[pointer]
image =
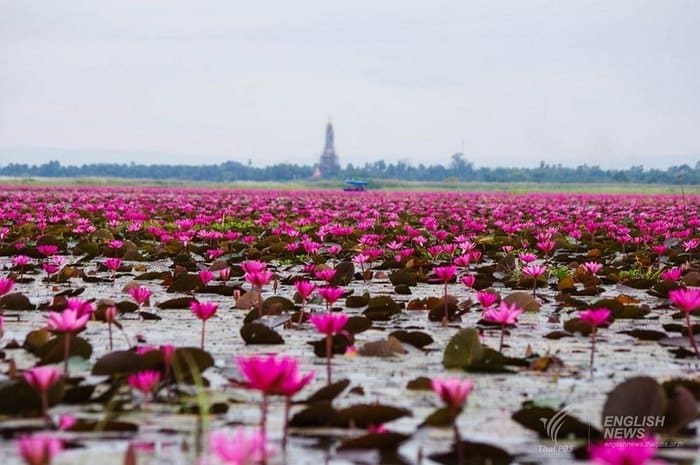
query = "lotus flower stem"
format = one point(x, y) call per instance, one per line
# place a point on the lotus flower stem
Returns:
point(301, 312)
point(445, 318)
point(691, 337)
point(458, 442)
point(329, 354)
point(287, 408)
point(45, 407)
point(263, 415)
point(66, 352)
point(109, 330)
point(593, 340)
point(503, 332)
point(260, 304)
point(201, 343)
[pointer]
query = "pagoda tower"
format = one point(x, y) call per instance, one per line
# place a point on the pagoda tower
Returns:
point(329, 165)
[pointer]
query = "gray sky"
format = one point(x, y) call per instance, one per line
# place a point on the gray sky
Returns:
point(607, 82)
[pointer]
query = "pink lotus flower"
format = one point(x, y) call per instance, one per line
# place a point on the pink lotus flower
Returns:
point(304, 288)
point(214, 253)
point(272, 376)
point(6, 285)
point(624, 452)
point(329, 324)
point(66, 422)
point(453, 391)
point(445, 273)
point(534, 271)
point(463, 260)
point(205, 277)
point(39, 449)
point(673, 274)
point(595, 317)
point(504, 315)
point(50, 268)
point(145, 382)
point(265, 374)
point(21, 260)
point(115, 244)
point(68, 321)
point(469, 280)
point(486, 298)
point(335, 249)
point(113, 264)
point(224, 274)
point(47, 249)
point(253, 266)
point(592, 267)
point(81, 307)
point(203, 311)
point(239, 447)
point(330, 294)
point(140, 294)
point(168, 351)
point(527, 257)
point(42, 378)
point(325, 275)
point(687, 300)
point(259, 278)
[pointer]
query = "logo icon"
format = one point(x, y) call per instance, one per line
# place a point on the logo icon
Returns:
point(553, 424)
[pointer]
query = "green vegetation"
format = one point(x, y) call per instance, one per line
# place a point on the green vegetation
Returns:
point(382, 174)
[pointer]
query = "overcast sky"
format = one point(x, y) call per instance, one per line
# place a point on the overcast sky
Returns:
point(611, 82)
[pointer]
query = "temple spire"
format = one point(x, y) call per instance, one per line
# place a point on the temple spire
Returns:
point(329, 164)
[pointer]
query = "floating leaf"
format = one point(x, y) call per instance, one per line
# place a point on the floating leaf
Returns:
point(524, 300)
point(357, 324)
point(681, 410)
point(16, 397)
point(554, 424)
point(463, 349)
point(440, 418)
point(635, 400)
point(380, 441)
point(339, 346)
point(417, 339)
point(475, 453)
point(364, 415)
point(420, 384)
point(315, 415)
point(256, 333)
point(328, 392)
point(404, 277)
point(16, 301)
point(645, 334)
point(357, 301)
point(384, 348)
point(54, 352)
point(177, 303)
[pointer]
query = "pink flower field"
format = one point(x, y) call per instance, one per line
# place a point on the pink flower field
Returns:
point(242, 327)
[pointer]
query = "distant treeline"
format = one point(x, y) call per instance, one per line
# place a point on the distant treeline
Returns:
point(459, 169)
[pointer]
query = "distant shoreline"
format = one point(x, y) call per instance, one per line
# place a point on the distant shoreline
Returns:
point(375, 185)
